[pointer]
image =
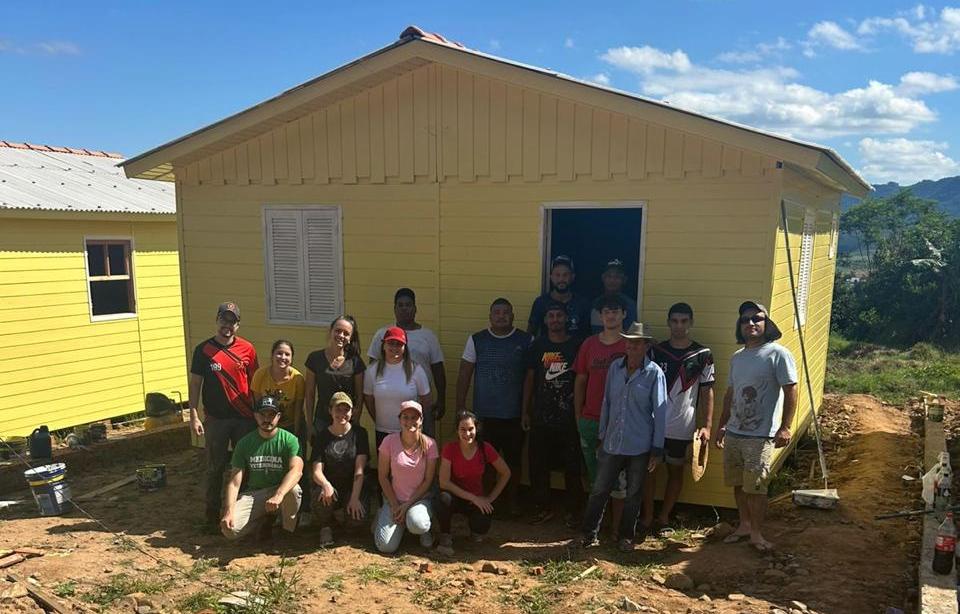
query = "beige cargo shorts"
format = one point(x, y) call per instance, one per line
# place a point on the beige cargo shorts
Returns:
point(746, 462)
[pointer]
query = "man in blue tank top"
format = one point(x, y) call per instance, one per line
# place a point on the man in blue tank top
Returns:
point(494, 359)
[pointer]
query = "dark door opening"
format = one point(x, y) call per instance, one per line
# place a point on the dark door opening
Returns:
point(593, 237)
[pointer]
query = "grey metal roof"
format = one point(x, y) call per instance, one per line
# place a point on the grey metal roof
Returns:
point(40, 178)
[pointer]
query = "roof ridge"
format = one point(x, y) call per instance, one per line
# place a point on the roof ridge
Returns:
point(52, 148)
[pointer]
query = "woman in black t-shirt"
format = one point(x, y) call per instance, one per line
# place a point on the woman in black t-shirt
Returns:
point(340, 453)
point(336, 368)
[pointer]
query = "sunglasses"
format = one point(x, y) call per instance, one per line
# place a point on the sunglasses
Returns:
point(754, 319)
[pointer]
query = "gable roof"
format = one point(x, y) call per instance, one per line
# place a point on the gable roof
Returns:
point(46, 178)
point(416, 48)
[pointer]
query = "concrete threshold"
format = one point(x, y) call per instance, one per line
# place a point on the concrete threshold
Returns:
point(938, 593)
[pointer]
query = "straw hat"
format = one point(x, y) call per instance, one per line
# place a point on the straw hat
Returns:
point(636, 332)
point(701, 453)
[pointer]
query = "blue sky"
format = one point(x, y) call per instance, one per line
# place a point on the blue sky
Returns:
point(877, 81)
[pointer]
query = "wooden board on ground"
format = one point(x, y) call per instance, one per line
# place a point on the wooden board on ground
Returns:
point(105, 489)
point(47, 600)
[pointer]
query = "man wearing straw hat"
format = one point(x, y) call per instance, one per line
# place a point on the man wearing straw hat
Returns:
point(631, 435)
point(758, 411)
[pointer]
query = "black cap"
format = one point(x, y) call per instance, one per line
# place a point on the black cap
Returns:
point(614, 265)
point(566, 261)
point(267, 402)
point(229, 307)
point(771, 330)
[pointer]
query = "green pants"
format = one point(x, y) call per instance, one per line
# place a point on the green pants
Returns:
point(588, 444)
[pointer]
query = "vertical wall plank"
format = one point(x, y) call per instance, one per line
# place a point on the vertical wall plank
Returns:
point(321, 147)
point(391, 129)
point(618, 144)
point(348, 137)
point(376, 135)
point(307, 163)
point(498, 131)
point(421, 120)
point(433, 122)
point(692, 154)
point(531, 135)
point(514, 130)
point(255, 160)
point(448, 120)
point(204, 170)
point(712, 152)
point(751, 164)
point(548, 135)
point(243, 163)
point(731, 159)
point(280, 162)
point(267, 164)
point(673, 155)
point(565, 128)
point(361, 122)
point(294, 160)
point(582, 140)
point(600, 145)
point(465, 136)
point(230, 165)
point(216, 168)
point(407, 143)
point(481, 126)
point(192, 174)
point(637, 149)
point(334, 142)
point(655, 141)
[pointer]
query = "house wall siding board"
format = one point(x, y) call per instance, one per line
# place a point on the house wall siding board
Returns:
point(531, 136)
point(481, 126)
point(465, 127)
point(50, 317)
point(600, 145)
point(514, 130)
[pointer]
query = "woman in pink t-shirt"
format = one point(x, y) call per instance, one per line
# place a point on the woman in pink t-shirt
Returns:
point(406, 466)
point(462, 466)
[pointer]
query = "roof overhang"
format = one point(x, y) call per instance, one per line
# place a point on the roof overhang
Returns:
point(411, 52)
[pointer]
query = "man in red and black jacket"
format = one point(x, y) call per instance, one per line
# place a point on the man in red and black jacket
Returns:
point(222, 369)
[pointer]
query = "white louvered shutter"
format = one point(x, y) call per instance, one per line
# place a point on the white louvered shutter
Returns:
point(284, 272)
point(323, 282)
point(806, 263)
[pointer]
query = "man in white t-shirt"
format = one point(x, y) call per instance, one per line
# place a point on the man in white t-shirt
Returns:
point(424, 349)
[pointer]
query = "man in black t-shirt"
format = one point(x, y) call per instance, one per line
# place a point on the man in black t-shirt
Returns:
point(548, 415)
point(561, 293)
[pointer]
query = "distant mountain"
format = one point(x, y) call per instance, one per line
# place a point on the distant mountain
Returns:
point(945, 191)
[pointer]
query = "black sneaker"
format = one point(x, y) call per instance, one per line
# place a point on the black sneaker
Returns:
point(585, 543)
point(542, 516)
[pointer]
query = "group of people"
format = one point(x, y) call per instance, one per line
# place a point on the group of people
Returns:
point(592, 393)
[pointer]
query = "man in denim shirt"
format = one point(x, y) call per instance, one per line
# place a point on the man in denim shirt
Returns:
point(632, 430)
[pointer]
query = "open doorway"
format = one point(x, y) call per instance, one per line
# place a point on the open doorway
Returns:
point(593, 236)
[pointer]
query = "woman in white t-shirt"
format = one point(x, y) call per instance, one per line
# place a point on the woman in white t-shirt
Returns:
point(391, 380)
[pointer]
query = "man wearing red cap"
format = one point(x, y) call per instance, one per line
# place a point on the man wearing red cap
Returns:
point(220, 374)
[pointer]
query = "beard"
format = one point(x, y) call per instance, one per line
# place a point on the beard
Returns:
point(561, 288)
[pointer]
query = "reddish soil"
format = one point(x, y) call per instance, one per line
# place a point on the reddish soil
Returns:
point(838, 561)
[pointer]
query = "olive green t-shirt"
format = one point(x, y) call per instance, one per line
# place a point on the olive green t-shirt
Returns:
point(265, 461)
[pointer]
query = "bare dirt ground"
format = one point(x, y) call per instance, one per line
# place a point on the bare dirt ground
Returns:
point(838, 561)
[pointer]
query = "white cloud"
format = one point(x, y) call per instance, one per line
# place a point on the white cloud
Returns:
point(739, 57)
point(927, 31)
point(494, 44)
point(914, 83)
point(600, 79)
point(58, 48)
point(774, 99)
point(830, 34)
point(905, 161)
point(646, 60)
point(568, 43)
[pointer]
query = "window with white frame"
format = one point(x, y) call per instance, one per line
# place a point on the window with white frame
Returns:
point(806, 263)
point(834, 234)
point(304, 272)
point(110, 277)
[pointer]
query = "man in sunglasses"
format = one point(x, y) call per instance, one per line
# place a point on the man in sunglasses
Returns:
point(758, 411)
point(269, 459)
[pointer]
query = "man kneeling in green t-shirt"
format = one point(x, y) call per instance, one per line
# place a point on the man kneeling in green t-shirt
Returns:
point(268, 458)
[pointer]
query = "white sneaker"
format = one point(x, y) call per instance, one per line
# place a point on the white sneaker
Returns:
point(426, 540)
point(326, 537)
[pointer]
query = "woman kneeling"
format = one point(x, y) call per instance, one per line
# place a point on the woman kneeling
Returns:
point(406, 466)
point(462, 466)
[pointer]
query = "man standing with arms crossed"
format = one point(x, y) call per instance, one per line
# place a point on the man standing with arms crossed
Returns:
point(494, 358)
point(690, 376)
point(221, 370)
point(758, 410)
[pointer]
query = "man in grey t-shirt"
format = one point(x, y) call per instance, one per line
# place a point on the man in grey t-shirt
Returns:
point(758, 411)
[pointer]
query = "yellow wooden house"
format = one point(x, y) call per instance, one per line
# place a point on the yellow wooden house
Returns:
point(459, 174)
point(90, 314)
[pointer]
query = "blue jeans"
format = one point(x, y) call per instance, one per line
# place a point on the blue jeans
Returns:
point(609, 467)
point(387, 534)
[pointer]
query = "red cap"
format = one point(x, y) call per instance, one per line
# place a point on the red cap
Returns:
point(395, 333)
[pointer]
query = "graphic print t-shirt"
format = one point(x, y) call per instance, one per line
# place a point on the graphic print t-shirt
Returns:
point(227, 371)
point(339, 453)
point(265, 461)
point(687, 370)
point(553, 379)
point(288, 393)
point(757, 376)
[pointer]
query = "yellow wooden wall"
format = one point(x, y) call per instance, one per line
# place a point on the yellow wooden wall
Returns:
point(56, 366)
point(441, 176)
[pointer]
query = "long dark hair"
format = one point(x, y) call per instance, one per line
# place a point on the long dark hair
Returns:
point(353, 346)
point(469, 415)
point(408, 365)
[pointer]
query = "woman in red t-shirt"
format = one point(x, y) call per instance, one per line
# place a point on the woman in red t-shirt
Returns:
point(462, 465)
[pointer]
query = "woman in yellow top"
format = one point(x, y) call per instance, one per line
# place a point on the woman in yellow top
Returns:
point(283, 382)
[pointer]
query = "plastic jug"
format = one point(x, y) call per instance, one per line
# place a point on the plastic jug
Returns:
point(40, 443)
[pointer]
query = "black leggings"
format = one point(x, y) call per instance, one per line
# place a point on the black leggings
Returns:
point(449, 504)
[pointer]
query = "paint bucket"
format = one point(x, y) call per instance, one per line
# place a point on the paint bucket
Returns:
point(152, 477)
point(50, 489)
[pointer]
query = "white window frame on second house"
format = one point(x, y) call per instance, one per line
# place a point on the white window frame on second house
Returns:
point(304, 282)
point(130, 276)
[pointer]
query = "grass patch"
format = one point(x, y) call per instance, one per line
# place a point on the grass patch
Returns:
point(65, 589)
point(634, 573)
point(891, 375)
point(431, 596)
point(277, 590)
point(205, 599)
point(201, 566)
point(121, 585)
point(375, 572)
point(539, 600)
point(559, 571)
point(334, 582)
